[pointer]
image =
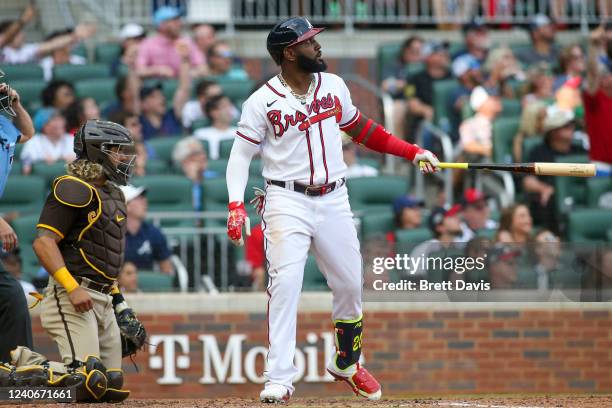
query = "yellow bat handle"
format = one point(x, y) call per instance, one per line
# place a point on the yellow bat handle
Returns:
point(447, 165)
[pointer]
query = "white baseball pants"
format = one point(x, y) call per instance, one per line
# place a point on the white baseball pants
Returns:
point(294, 223)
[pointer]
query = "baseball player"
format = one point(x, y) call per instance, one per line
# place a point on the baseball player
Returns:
point(14, 315)
point(295, 120)
point(81, 241)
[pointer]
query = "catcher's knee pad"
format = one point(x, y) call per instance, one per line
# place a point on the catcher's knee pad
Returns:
point(94, 363)
point(348, 342)
point(115, 391)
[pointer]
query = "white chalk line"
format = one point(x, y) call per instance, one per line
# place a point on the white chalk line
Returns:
point(473, 405)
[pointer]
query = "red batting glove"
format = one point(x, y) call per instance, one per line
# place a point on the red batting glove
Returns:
point(426, 160)
point(235, 221)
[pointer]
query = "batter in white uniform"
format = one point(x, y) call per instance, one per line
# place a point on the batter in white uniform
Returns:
point(294, 121)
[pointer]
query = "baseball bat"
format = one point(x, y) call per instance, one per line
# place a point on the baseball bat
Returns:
point(540, 169)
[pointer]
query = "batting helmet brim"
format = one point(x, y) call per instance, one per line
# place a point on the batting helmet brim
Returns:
point(306, 36)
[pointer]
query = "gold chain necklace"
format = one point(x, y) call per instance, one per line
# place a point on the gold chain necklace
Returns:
point(301, 98)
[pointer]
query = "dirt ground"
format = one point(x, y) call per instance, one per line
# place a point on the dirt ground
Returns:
point(495, 401)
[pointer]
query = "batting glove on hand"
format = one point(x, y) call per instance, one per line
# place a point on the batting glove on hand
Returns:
point(258, 200)
point(427, 161)
point(236, 219)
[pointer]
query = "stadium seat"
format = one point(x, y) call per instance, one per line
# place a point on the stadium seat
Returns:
point(169, 87)
point(596, 186)
point(386, 55)
point(375, 193)
point(219, 166)
point(170, 193)
point(504, 131)
point(29, 92)
point(17, 167)
point(22, 71)
point(511, 107)
point(163, 147)
point(256, 168)
point(25, 228)
point(589, 224)
point(441, 93)
point(238, 90)
point(101, 89)
point(74, 73)
point(225, 147)
point(215, 193)
point(149, 281)
point(25, 194)
point(529, 143)
point(313, 278)
point(377, 224)
point(574, 187)
point(80, 50)
point(200, 123)
point(156, 166)
point(106, 53)
point(49, 172)
point(413, 236)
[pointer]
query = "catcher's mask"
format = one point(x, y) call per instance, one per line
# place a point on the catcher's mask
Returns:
point(109, 145)
point(6, 102)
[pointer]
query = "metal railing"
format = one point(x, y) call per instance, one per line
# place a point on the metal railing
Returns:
point(203, 249)
point(417, 12)
point(347, 13)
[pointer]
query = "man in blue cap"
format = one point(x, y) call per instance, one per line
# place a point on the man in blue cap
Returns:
point(14, 315)
point(158, 56)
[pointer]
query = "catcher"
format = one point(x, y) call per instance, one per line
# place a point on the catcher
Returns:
point(81, 240)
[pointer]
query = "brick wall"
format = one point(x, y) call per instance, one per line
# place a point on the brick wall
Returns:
point(464, 351)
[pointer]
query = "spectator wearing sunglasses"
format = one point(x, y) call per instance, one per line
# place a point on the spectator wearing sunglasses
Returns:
point(222, 63)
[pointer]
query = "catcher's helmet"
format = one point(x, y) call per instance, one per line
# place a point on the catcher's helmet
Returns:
point(108, 144)
point(6, 102)
point(287, 33)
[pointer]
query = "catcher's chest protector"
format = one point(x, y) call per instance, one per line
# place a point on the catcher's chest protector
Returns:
point(102, 244)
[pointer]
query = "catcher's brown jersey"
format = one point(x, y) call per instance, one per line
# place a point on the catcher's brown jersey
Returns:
point(91, 222)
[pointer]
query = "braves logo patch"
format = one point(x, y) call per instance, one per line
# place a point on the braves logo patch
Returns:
point(281, 122)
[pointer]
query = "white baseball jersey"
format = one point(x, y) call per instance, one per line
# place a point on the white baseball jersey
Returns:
point(299, 142)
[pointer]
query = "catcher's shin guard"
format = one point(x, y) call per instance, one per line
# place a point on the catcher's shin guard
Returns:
point(89, 380)
point(348, 342)
point(26, 376)
point(114, 391)
point(6, 372)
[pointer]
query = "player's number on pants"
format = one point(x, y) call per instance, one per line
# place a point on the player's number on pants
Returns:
point(357, 342)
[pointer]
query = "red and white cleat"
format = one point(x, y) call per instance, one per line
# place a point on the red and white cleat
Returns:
point(275, 394)
point(361, 381)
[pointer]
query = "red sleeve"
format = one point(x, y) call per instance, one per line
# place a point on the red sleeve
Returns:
point(590, 100)
point(254, 248)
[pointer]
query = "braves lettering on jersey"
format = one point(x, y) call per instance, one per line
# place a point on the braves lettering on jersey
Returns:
point(299, 142)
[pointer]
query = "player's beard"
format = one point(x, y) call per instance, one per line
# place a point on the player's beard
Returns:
point(310, 65)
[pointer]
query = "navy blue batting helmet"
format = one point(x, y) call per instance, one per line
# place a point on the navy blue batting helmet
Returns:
point(287, 33)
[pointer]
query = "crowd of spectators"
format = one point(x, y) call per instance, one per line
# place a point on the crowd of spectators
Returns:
point(563, 99)
point(169, 82)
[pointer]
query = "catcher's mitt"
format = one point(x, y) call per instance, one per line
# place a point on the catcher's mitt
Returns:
point(133, 333)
